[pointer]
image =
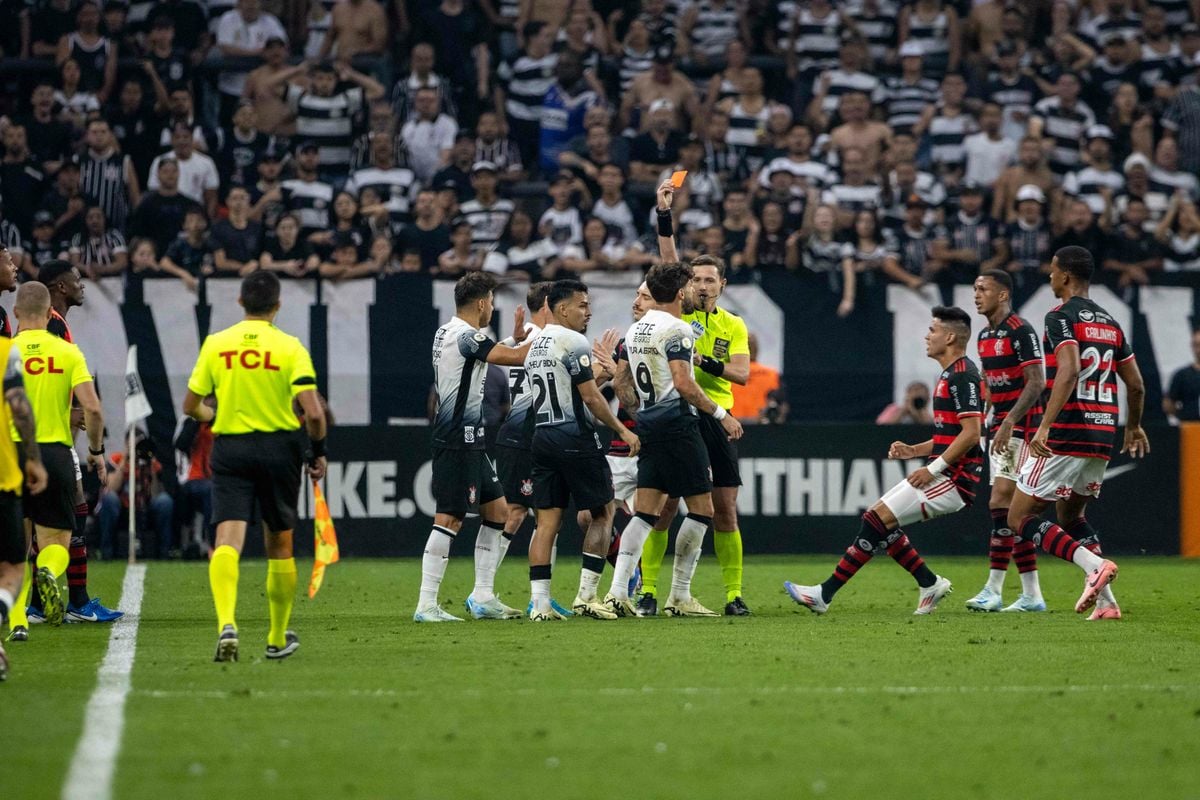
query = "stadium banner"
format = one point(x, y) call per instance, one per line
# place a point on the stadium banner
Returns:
point(805, 487)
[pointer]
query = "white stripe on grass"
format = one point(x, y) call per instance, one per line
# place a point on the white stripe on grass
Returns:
point(95, 761)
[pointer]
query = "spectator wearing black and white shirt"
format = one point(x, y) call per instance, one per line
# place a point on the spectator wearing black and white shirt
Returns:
point(910, 93)
point(853, 192)
point(1165, 174)
point(1029, 239)
point(421, 76)
point(492, 145)
point(797, 161)
point(99, 251)
point(198, 178)
point(611, 207)
point(397, 186)
point(522, 81)
point(1013, 90)
point(1097, 182)
point(847, 76)
point(486, 213)
point(1062, 118)
point(306, 196)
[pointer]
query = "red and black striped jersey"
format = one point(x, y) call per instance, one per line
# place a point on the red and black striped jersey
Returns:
point(5, 327)
point(618, 446)
point(58, 326)
point(1087, 425)
point(958, 395)
point(1005, 351)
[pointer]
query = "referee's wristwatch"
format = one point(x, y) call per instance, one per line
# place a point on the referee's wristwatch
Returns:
point(99, 452)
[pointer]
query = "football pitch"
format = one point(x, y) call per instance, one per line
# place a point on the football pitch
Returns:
point(866, 702)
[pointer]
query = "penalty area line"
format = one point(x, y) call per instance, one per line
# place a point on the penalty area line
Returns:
point(94, 763)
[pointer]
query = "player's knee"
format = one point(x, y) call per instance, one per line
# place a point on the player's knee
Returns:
point(725, 519)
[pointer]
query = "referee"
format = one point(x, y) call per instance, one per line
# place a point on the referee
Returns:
point(722, 358)
point(256, 371)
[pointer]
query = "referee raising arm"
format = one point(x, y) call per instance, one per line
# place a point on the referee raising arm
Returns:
point(256, 370)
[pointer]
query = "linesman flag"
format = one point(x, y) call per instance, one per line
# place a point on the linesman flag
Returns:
point(325, 546)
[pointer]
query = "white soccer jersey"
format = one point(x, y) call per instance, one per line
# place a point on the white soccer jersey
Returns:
point(652, 343)
point(514, 431)
point(460, 367)
point(559, 360)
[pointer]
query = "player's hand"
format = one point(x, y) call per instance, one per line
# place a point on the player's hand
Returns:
point(900, 451)
point(1137, 444)
point(1039, 444)
point(519, 331)
point(665, 195)
point(78, 420)
point(630, 438)
point(921, 478)
point(1001, 439)
point(608, 342)
point(603, 360)
point(35, 476)
point(97, 465)
point(316, 468)
point(732, 427)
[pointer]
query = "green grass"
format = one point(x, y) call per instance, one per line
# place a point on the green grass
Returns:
point(782, 705)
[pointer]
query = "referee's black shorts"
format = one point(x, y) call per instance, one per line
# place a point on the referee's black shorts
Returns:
point(258, 468)
point(463, 479)
point(722, 453)
point(55, 507)
point(12, 529)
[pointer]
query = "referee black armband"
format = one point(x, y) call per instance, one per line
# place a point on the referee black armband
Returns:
point(712, 366)
point(318, 448)
point(665, 228)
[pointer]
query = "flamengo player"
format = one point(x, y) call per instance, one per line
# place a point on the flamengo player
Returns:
point(568, 453)
point(1012, 366)
point(943, 486)
point(674, 460)
point(1086, 351)
point(462, 473)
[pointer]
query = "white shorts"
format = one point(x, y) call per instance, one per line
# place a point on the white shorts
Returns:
point(909, 504)
point(624, 477)
point(1059, 477)
point(75, 458)
point(1009, 464)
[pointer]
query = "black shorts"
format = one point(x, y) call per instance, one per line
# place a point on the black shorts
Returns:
point(12, 529)
point(462, 479)
point(262, 469)
point(722, 453)
point(55, 507)
point(560, 477)
point(676, 466)
point(516, 474)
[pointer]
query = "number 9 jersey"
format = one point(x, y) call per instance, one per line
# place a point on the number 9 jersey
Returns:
point(652, 343)
point(1087, 425)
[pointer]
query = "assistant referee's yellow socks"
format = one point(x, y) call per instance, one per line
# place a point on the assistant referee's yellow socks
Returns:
point(223, 578)
point(281, 592)
point(55, 558)
point(728, 545)
point(652, 557)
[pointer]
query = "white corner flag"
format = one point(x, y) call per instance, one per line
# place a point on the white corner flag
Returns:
point(137, 407)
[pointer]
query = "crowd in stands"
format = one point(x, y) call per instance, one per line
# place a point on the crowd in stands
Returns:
point(862, 141)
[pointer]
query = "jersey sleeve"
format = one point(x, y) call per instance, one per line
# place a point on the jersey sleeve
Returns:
point(79, 370)
point(679, 345)
point(56, 325)
point(578, 360)
point(1027, 346)
point(739, 338)
point(303, 376)
point(201, 380)
point(14, 372)
point(475, 345)
point(1124, 350)
point(1059, 330)
point(621, 353)
point(964, 391)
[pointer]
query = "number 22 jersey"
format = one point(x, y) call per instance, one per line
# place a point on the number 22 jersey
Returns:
point(1087, 425)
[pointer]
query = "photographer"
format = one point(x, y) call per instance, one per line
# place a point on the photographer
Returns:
point(913, 410)
point(155, 507)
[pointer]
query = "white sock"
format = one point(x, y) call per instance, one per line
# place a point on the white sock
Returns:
point(554, 553)
point(505, 541)
point(1030, 584)
point(995, 580)
point(632, 539)
point(1106, 599)
point(487, 556)
point(589, 576)
point(6, 603)
point(539, 592)
point(1087, 560)
point(687, 556)
point(433, 564)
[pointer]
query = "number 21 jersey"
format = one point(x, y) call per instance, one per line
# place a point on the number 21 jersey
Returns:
point(559, 359)
point(652, 343)
point(1087, 425)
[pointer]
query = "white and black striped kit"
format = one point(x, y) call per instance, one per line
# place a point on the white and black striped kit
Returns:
point(843, 82)
point(879, 28)
point(98, 251)
point(1086, 184)
point(852, 198)
point(310, 201)
point(632, 64)
point(974, 234)
point(1064, 126)
point(946, 135)
point(716, 25)
point(1029, 246)
point(526, 81)
point(104, 179)
point(397, 187)
point(907, 101)
point(748, 129)
point(487, 222)
point(933, 36)
point(327, 121)
point(502, 152)
point(817, 39)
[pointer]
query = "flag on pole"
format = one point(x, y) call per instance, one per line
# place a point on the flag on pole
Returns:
point(325, 546)
point(137, 407)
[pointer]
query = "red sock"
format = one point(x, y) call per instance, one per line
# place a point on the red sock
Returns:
point(907, 556)
point(77, 567)
point(1085, 534)
point(1025, 554)
point(1001, 543)
point(1053, 539)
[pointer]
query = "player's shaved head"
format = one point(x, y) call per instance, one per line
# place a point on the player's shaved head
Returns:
point(956, 321)
point(52, 270)
point(32, 303)
point(666, 280)
point(535, 298)
point(1077, 262)
point(999, 276)
point(260, 292)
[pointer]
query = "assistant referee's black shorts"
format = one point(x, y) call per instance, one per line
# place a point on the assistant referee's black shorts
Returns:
point(55, 507)
point(262, 468)
point(722, 453)
point(12, 529)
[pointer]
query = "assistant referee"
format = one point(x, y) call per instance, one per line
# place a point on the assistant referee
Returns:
point(256, 371)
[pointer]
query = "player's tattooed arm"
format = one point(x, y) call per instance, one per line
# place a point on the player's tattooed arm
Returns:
point(623, 386)
point(22, 417)
point(1035, 383)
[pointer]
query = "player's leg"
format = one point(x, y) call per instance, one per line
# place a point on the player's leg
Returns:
point(18, 620)
point(52, 514)
point(1000, 545)
point(653, 551)
point(688, 544)
point(549, 521)
point(281, 592)
point(12, 565)
point(1024, 552)
point(223, 569)
point(654, 468)
point(727, 537)
point(450, 486)
point(1072, 516)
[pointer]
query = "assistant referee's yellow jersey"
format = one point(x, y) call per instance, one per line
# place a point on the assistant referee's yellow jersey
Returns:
point(255, 370)
point(720, 335)
point(53, 368)
point(11, 477)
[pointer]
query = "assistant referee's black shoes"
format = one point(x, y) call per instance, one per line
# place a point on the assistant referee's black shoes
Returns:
point(737, 608)
point(227, 645)
point(291, 645)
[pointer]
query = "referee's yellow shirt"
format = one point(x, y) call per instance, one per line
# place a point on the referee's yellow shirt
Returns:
point(720, 335)
point(11, 477)
point(53, 368)
point(255, 370)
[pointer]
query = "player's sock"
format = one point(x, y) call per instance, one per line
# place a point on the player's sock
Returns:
point(653, 551)
point(728, 545)
point(589, 576)
point(1087, 537)
point(1000, 549)
point(506, 539)
point(1055, 541)
point(1025, 554)
point(539, 586)
point(632, 539)
point(487, 556)
point(35, 598)
point(223, 578)
point(54, 558)
point(17, 616)
point(907, 556)
point(687, 553)
point(433, 565)
point(852, 561)
point(281, 592)
point(7, 601)
point(78, 568)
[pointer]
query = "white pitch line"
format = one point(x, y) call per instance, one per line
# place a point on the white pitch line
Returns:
point(95, 760)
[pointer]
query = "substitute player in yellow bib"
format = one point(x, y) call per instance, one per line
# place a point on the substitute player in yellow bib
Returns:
point(256, 371)
point(722, 357)
point(55, 370)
